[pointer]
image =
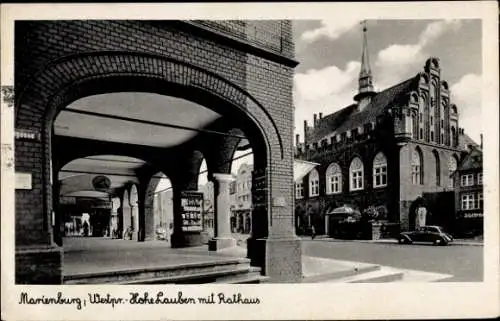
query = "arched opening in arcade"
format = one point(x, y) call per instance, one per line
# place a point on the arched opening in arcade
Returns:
point(158, 138)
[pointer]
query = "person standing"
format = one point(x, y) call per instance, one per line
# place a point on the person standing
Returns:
point(313, 232)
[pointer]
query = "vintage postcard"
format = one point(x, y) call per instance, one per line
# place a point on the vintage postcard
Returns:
point(249, 161)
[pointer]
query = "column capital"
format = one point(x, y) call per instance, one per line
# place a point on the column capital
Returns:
point(220, 177)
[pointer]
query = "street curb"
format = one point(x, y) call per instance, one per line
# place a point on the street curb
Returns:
point(383, 242)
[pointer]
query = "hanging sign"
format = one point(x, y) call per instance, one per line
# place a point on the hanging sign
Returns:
point(192, 211)
point(101, 183)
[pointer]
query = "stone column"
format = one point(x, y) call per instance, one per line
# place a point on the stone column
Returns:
point(134, 210)
point(113, 230)
point(223, 237)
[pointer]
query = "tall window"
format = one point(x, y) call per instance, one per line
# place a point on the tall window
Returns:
point(313, 183)
point(438, 167)
point(299, 190)
point(356, 174)
point(416, 167)
point(379, 170)
point(454, 137)
point(480, 179)
point(452, 167)
point(333, 179)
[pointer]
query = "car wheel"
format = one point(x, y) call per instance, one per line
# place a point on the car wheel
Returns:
point(402, 240)
point(438, 242)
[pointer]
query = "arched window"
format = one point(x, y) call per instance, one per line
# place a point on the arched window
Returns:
point(454, 137)
point(452, 167)
point(356, 174)
point(416, 167)
point(438, 167)
point(333, 179)
point(379, 170)
point(313, 183)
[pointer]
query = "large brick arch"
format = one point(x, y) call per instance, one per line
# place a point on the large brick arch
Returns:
point(73, 77)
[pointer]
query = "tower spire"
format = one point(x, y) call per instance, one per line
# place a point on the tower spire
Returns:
point(365, 80)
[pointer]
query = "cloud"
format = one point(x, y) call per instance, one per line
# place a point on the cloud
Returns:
point(325, 90)
point(466, 94)
point(316, 84)
point(331, 29)
point(398, 61)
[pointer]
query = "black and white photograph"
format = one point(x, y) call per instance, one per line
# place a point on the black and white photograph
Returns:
point(143, 153)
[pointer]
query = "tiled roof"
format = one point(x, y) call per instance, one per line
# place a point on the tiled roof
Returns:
point(473, 160)
point(347, 118)
point(464, 141)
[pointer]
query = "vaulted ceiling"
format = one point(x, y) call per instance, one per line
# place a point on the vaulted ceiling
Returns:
point(130, 118)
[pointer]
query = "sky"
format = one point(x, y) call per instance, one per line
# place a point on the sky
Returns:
point(329, 54)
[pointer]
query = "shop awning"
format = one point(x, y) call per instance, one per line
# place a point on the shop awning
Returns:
point(301, 168)
point(344, 210)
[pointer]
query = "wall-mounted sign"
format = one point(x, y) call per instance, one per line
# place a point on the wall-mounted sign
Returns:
point(26, 134)
point(279, 201)
point(101, 183)
point(192, 211)
point(23, 180)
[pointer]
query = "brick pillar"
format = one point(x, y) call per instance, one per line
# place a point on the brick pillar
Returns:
point(223, 237)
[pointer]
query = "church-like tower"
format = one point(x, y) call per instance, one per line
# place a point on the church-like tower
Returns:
point(365, 80)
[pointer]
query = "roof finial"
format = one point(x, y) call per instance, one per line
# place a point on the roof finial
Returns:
point(365, 80)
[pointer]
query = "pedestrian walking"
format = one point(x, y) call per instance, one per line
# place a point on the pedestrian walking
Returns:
point(313, 232)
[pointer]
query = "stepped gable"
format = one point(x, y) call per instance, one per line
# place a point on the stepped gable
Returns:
point(348, 118)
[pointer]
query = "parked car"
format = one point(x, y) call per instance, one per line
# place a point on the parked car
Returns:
point(431, 233)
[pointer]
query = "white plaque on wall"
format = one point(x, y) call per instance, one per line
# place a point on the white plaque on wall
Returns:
point(279, 201)
point(23, 180)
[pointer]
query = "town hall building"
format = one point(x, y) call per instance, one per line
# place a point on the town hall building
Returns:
point(385, 151)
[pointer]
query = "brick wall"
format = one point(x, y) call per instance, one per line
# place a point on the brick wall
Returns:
point(409, 191)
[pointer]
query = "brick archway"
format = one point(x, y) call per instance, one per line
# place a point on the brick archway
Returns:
point(248, 83)
point(71, 78)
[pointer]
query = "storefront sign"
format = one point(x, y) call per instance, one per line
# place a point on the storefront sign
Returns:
point(473, 215)
point(192, 211)
point(23, 181)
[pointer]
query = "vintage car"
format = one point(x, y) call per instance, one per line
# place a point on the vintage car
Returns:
point(430, 233)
